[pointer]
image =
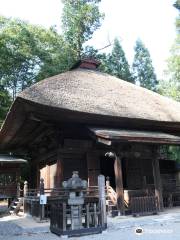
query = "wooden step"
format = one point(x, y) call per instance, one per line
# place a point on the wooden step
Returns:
point(16, 206)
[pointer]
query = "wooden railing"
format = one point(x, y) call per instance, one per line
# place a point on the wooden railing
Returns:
point(91, 191)
point(60, 221)
point(91, 214)
point(111, 194)
point(171, 198)
point(144, 205)
point(32, 198)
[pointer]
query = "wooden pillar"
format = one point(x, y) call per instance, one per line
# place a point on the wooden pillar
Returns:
point(119, 184)
point(157, 183)
point(102, 201)
point(59, 173)
point(41, 191)
point(33, 175)
point(38, 175)
point(59, 170)
point(47, 182)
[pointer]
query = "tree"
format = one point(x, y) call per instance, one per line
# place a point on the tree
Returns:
point(177, 6)
point(29, 53)
point(80, 19)
point(174, 60)
point(116, 63)
point(5, 102)
point(170, 86)
point(142, 67)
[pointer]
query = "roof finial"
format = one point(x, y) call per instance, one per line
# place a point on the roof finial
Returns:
point(87, 63)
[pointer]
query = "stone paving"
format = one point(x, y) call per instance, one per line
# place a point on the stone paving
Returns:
point(10, 229)
point(160, 227)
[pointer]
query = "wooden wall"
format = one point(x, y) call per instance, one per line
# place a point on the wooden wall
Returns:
point(48, 173)
point(137, 166)
point(168, 174)
point(86, 159)
point(9, 177)
point(74, 161)
point(93, 167)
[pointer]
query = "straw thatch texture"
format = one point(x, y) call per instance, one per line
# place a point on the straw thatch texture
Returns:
point(97, 93)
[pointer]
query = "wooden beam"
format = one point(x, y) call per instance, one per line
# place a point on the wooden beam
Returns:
point(119, 184)
point(157, 183)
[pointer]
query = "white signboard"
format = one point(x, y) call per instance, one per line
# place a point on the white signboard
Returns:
point(43, 199)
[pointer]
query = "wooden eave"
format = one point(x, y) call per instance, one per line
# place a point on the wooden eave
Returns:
point(108, 136)
point(26, 120)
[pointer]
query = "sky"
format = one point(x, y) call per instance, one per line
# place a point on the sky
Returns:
point(150, 20)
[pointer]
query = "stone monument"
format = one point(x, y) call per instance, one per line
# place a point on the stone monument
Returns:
point(75, 185)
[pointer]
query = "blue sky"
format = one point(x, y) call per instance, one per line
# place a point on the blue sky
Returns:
point(150, 20)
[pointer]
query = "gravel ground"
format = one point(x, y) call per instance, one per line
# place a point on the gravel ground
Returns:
point(160, 227)
point(168, 232)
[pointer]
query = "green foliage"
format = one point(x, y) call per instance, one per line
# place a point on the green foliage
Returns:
point(169, 88)
point(142, 67)
point(174, 152)
point(90, 52)
point(177, 6)
point(80, 19)
point(30, 53)
point(174, 61)
point(5, 102)
point(170, 152)
point(171, 85)
point(116, 63)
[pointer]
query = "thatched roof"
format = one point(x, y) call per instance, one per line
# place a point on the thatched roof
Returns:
point(98, 93)
point(87, 97)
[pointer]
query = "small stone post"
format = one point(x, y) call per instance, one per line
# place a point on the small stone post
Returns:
point(102, 200)
point(25, 188)
point(41, 190)
point(25, 195)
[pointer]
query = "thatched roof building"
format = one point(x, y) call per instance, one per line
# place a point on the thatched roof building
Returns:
point(89, 97)
point(70, 121)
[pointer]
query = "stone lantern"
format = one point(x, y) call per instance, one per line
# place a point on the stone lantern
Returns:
point(75, 185)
